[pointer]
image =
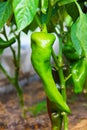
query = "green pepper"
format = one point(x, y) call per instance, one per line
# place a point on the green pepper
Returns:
point(5, 44)
point(79, 74)
point(70, 52)
point(41, 53)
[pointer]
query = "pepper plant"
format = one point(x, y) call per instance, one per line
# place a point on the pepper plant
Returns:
point(16, 60)
point(65, 19)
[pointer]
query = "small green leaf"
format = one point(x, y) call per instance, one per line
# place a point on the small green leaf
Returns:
point(38, 108)
point(5, 12)
point(24, 11)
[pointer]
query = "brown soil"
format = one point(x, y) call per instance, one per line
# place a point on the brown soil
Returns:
point(10, 113)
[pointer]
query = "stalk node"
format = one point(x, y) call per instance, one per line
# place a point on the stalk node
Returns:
point(63, 113)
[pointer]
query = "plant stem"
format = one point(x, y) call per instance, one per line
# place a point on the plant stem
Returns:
point(20, 96)
point(59, 64)
point(14, 55)
point(6, 74)
point(56, 121)
point(63, 91)
point(38, 21)
point(17, 67)
point(54, 115)
point(15, 81)
point(49, 13)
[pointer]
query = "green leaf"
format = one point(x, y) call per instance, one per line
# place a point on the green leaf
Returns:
point(79, 33)
point(75, 40)
point(24, 11)
point(5, 12)
point(38, 108)
point(63, 2)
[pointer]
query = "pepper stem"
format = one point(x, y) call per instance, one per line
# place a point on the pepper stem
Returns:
point(79, 8)
point(44, 28)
